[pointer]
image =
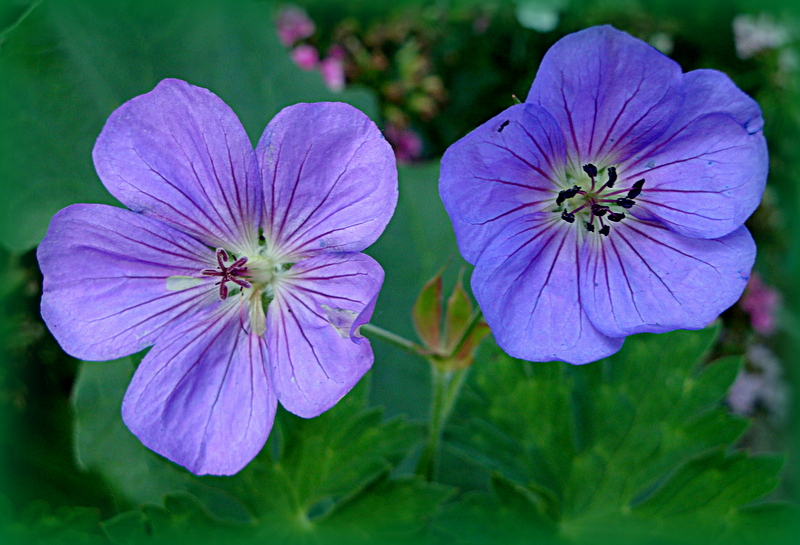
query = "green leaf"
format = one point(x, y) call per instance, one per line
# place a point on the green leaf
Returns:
point(635, 444)
point(105, 445)
point(315, 477)
point(41, 524)
point(65, 66)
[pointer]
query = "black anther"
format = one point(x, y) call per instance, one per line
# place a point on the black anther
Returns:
point(590, 169)
point(589, 226)
point(625, 202)
point(567, 194)
point(615, 217)
point(503, 125)
point(599, 210)
point(612, 176)
point(636, 189)
point(604, 230)
point(566, 216)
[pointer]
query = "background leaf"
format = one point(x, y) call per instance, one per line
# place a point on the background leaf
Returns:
point(637, 444)
point(65, 66)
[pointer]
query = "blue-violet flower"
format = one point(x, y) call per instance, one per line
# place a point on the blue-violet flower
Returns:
point(610, 202)
point(240, 266)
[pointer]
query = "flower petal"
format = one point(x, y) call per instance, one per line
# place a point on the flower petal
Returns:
point(645, 278)
point(316, 352)
point(105, 280)
point(202, 397)
point(180, 154)
point(330, 179)
point(706, 174)
point(611, 93)
point(526, 283)
point(506, 168)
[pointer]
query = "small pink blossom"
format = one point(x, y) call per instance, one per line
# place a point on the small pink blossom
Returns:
point(305, 56)
point(332, 70)
point(407, 143)
point(761, 302)
point(293, 24)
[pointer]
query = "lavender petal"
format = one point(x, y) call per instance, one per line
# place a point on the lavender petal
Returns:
point(105, 280)
point(506, 168)
point(316, 352)
point(611, 93)
point(330, 179)
point(180, 154)
point(202, 396)
point(527, 284)
point(645, 278)
point(707, 173)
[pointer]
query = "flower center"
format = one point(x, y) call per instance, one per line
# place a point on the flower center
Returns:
point(255, 278)
point(597, 204)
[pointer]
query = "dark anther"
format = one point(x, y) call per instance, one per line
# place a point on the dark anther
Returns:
point(612, 176)
point(599, 210)
point(604, 230)
point(615, 217)
point(636, 189)
point(589, 226)
point(567, 194)
point(625, 202)
point(503, 125)
point(566, 216)
point(590, 169)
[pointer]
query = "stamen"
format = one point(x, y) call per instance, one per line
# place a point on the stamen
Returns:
point(228, 273)
point(568, 216)
point(589, 226)
point(567, 194)
point(604, 230)
point(625, 202)
point(615, 217)
point(612, 176)
point(599, 210)
point(636, 189)
point(591, 170)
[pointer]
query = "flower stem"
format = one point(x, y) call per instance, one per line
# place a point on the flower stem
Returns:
point(393, 338)
point(447, 385)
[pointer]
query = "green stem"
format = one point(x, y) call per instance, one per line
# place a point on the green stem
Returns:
point(392, 338)
point(446, 387)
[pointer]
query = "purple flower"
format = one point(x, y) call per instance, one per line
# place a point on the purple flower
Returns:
point(610, 203)
point(240, 266)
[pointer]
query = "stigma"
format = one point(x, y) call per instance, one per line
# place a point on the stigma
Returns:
point(600, 206)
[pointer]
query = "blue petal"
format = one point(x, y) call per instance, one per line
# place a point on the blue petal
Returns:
point(316, 352)
point(180, 154)
point(508, 167)
point(611, 93)
point(707, 173)
point(330, 180)
point(201, 397)
point(105, 273)
point(645, 278)
point(527, 284)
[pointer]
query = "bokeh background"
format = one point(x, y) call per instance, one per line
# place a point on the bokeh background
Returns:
point(427, 72)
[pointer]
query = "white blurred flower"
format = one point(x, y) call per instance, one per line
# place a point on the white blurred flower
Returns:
point(755, 34)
